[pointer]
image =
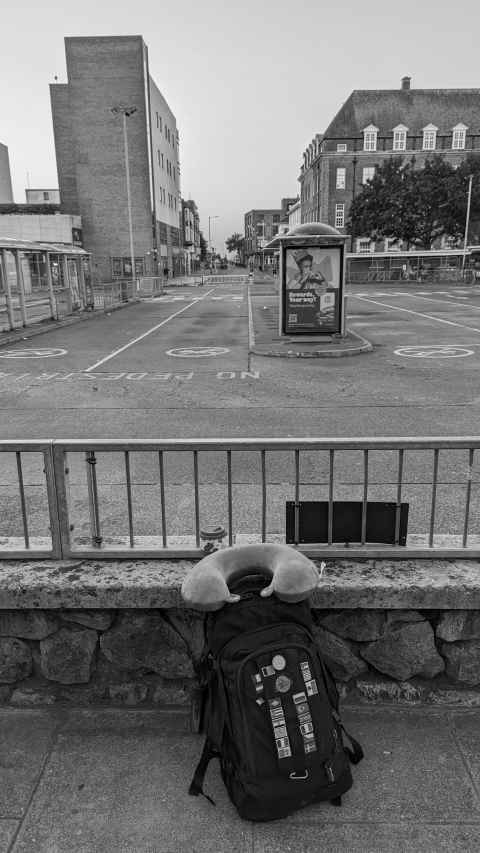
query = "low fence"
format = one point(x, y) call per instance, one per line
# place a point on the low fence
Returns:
point(111, 294)
point(151, 285)
point(124, 499)
point(469, 276)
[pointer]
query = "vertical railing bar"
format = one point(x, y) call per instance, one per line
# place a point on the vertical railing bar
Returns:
point(129, 497)
point(91, 461)
point(434, 497)
point(399, 496)
point(330, 498)
point(264, 495)
point(229, 497)
point(297, 497)
point(467, 497)
point(197, 502)
point(162, 498)
point(365, 496)
point(22, 499)
point(56, 473)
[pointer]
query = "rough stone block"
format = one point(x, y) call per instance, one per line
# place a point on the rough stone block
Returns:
point(339, 655)
point(27, 624)
point(99, 620)
point(146, 641)
point(28, 697)
point(170, 693)
point(128, 694)
point(190, 626)
point(366, 625)
point(67, 656)
point(15, 660)
point(406, 651)
point(459, 625)
point(374, 688)
point(463, 661)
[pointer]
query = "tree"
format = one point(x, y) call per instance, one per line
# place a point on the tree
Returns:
point(416, 206)
point(234, 243)
point(382, 208)
point(203, 247)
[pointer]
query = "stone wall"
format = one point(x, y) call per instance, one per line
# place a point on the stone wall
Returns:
point(139, 656)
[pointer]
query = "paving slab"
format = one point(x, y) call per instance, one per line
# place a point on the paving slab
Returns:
point(25, 740)
point(118, 782)
point(8, 829)
point(368, 838)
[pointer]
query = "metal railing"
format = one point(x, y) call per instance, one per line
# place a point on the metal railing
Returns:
point(105, 498)
point(108, 295)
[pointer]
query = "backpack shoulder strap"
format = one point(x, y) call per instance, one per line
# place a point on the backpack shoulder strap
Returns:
point(196, 785)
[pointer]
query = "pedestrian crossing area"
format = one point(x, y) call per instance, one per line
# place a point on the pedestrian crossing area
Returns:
point(184, 297)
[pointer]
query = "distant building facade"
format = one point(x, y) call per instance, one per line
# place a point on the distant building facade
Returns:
point(29, 222)
point(42, 196)
point(295, 215)
point(107, 74)
point(260, 227)
point(191, 235)
point(371, 127)
point(6, 194)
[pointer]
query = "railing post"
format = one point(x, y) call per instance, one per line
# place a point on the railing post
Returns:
point(93, 507)
point(56, 473)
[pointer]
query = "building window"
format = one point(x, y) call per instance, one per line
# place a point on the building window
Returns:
point(160, 124)
point(400, 139)
point(174, 178)
point(341, 147)
point(429, 137)
point(458, 137)
point(116, 266)
point(364, 245)
point(367, 173)
point(339, 215)
point(341, 178)
point(163, 162)
point(159, 160)
point(370, 138)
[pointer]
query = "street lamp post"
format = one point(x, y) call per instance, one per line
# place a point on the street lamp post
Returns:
point(210, 238)
point(467, 222)
point(126, 112)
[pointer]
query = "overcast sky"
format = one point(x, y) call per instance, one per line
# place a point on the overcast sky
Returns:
point(250, 82)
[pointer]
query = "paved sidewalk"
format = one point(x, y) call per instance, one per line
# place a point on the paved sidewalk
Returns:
point(115, 781)
point(264, 338)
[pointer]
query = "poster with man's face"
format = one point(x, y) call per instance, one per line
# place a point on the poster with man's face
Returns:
point(312, 290)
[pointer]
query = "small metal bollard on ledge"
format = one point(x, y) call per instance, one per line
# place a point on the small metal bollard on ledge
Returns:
point(213, 539)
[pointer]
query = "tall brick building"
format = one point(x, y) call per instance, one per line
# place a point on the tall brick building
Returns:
point(104, 73)
point(261, 226)
point(374, 125)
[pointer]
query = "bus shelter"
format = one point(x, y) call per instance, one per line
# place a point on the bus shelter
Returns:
point(42, 281)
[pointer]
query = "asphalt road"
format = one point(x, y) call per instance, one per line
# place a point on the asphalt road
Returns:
point(178, 366)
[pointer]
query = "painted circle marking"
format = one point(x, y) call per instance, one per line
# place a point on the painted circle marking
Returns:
point(197, 352)
point(46, 352)
point(434, 351)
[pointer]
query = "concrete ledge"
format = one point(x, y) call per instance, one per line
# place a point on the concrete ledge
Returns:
point(369, 584)
point(331, 350)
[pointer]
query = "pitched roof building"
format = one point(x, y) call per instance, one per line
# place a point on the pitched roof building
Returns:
point(373, 125)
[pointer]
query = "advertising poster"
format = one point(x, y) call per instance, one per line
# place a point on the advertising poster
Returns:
point(312, 290)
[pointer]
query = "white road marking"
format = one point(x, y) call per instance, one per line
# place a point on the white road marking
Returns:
point(127, 377)
point(145, 334)
point(444, 301)
point(434, 351)
point(45, 352)
point(418, 314)
point(197, 352)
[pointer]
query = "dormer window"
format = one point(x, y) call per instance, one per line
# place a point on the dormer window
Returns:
point(458, 137)
point(370, 138)
point(430, 137)
point(400, 137)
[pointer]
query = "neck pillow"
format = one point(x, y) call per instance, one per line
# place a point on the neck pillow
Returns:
point(293, 576)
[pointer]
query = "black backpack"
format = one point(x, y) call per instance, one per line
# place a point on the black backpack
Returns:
point(269, 708)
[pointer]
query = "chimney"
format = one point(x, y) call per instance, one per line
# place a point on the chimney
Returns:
point(406, 83)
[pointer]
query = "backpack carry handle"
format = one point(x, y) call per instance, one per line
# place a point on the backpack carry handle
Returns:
point(293, 576)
